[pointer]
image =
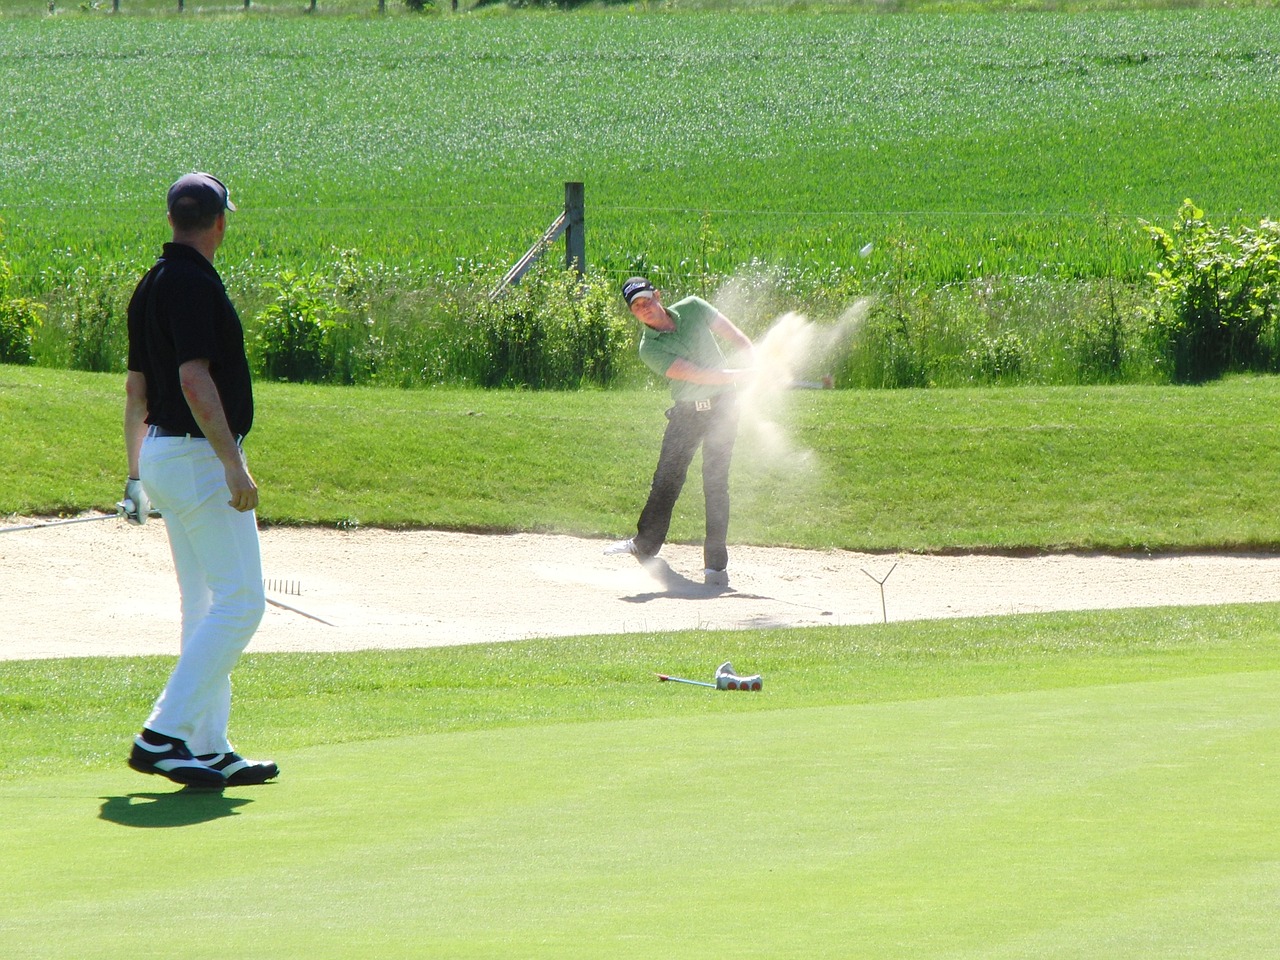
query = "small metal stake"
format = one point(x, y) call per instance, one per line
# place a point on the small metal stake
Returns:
point(883, 612)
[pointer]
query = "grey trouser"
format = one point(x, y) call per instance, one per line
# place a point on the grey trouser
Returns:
point(714, 429)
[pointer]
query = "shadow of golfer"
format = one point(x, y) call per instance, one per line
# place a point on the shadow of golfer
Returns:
point(183, 808)
point(674, 585)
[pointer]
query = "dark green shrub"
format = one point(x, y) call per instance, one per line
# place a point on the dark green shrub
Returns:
point(890, 352)
point(999, 358)
point(1215, 294)
point(95, 320)
point(293, 341)
point(554, 331)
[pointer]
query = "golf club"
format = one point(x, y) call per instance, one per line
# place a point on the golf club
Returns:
point(121, 509)
point(696, 683)
point(726, 679)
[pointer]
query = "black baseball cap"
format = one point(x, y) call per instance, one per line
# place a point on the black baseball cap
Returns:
point(635, 288)
point(206, 190)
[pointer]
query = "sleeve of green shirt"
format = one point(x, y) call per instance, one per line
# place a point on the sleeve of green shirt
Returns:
point(691, 340)
point(659, 352)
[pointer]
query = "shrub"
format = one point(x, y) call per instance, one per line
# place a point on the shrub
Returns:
point(293, 341)
point(553, 331)
point(19, 318)
point(998, 359)
point(1215, 296)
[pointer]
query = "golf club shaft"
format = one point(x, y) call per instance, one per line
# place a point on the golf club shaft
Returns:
point(60, 523)
point(696, 683)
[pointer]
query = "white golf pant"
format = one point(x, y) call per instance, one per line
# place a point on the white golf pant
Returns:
point(215, 552)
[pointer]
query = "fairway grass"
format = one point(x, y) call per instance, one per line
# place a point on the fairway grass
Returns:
point(1070, 785)
point(1036, 468)
point(1133, 820)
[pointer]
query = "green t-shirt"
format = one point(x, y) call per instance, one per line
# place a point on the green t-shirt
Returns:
point(691, 340)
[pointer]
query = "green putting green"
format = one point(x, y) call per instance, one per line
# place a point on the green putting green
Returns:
point(1128, 820)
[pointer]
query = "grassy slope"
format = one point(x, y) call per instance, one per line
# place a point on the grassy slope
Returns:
point(1107, 468)
point(1065, 785)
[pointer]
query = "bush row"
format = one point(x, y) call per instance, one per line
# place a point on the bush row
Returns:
point(1210, 305)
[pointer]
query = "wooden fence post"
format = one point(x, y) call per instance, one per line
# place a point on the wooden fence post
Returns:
point(570, 223)
point(575, 246)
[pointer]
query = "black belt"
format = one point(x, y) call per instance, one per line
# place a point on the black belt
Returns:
point(157, 431)
point(707, 403)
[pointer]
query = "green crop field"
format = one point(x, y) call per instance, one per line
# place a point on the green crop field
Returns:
point(957, 145)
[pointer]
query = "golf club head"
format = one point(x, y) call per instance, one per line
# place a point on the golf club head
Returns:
point(728, 679)
point(730, 682)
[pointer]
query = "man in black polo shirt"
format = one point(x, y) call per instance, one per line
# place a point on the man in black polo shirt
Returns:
point(188, 407)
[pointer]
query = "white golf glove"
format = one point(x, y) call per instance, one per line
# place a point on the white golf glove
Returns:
point(136, 504)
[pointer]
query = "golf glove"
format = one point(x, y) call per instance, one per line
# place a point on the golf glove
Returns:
point(136, 505)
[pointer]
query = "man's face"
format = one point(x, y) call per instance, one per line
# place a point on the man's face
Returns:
point(649, 311)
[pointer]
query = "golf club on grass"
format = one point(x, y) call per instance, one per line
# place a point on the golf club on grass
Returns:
point(696, 683)
point(726, 679)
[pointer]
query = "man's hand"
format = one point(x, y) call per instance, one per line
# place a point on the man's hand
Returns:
point(244, 492)
point(136, 504)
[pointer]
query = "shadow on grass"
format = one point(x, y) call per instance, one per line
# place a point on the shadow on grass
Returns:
point(183, 808)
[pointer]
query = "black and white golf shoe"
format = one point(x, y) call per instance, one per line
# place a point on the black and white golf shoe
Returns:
point(239, 771)
point(175, 761)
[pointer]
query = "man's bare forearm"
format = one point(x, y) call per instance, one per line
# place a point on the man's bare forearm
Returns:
point(689, 372)
point(206, 406)
point(135, 418)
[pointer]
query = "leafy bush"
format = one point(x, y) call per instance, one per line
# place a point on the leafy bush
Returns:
point(553, 331)
point(999, 358)
point(1216, 297)
point(19, 318)
point(293, 340)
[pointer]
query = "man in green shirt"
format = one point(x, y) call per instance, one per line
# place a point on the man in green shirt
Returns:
point(680, 343)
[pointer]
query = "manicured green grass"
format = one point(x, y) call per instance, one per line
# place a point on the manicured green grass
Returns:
point(958, 145)
point(1083, 785)
point(1026, 468)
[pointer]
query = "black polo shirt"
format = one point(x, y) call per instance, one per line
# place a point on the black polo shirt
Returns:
point(180, 311)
